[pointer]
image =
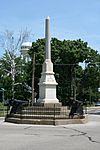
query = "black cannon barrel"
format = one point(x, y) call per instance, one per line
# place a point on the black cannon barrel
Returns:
point(17, 105)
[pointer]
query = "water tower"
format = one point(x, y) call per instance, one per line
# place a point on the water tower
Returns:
point(25, 47)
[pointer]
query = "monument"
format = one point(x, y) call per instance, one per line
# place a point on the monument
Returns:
point(47, 84)
point(48, 109)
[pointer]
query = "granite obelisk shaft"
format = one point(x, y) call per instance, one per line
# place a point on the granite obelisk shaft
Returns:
point(47, 38)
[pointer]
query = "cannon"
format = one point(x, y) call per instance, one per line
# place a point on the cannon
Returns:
point(16, 105)
point(76, 109)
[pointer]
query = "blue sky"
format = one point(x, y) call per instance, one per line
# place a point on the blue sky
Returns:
point(70, 19)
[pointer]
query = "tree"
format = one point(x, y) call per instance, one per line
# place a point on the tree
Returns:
point(11, 63)
point(66, 56)
point(91, 77)
point(70, 54)
point(73, 80)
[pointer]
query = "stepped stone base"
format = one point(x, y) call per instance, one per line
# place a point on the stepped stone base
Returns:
point(47, 121)
point(46, 114)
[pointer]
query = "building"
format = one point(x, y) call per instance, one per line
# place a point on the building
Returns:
point(25, 47)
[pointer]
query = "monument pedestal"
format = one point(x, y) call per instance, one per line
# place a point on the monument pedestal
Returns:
point(47, 85)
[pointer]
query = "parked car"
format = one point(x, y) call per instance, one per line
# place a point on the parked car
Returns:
point(97, 104)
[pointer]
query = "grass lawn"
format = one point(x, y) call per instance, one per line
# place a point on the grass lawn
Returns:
point(3, 110)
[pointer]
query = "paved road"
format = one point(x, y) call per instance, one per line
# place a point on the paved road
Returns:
point(65, 137)
point(94, 110)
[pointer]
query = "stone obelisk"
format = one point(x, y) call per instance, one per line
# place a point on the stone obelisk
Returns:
point(47, 84)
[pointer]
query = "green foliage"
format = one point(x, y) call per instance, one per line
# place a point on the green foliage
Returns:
point(73, 80)
point(20, 78)
point(66, 56)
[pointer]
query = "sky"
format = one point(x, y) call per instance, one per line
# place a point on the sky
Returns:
point(69, 19)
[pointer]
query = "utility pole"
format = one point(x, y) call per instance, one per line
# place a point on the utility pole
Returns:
point(33, 79)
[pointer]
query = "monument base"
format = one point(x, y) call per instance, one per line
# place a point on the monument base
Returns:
point(48, 100)
point(48, 104)
point(45, 121)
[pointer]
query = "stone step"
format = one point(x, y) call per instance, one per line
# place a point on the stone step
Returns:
point(34, 116)
point(47, 121)
point(45, 110)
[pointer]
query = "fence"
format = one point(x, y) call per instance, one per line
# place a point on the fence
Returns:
point(40, 112)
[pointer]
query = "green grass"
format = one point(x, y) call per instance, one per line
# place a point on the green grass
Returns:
point(3, 110)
